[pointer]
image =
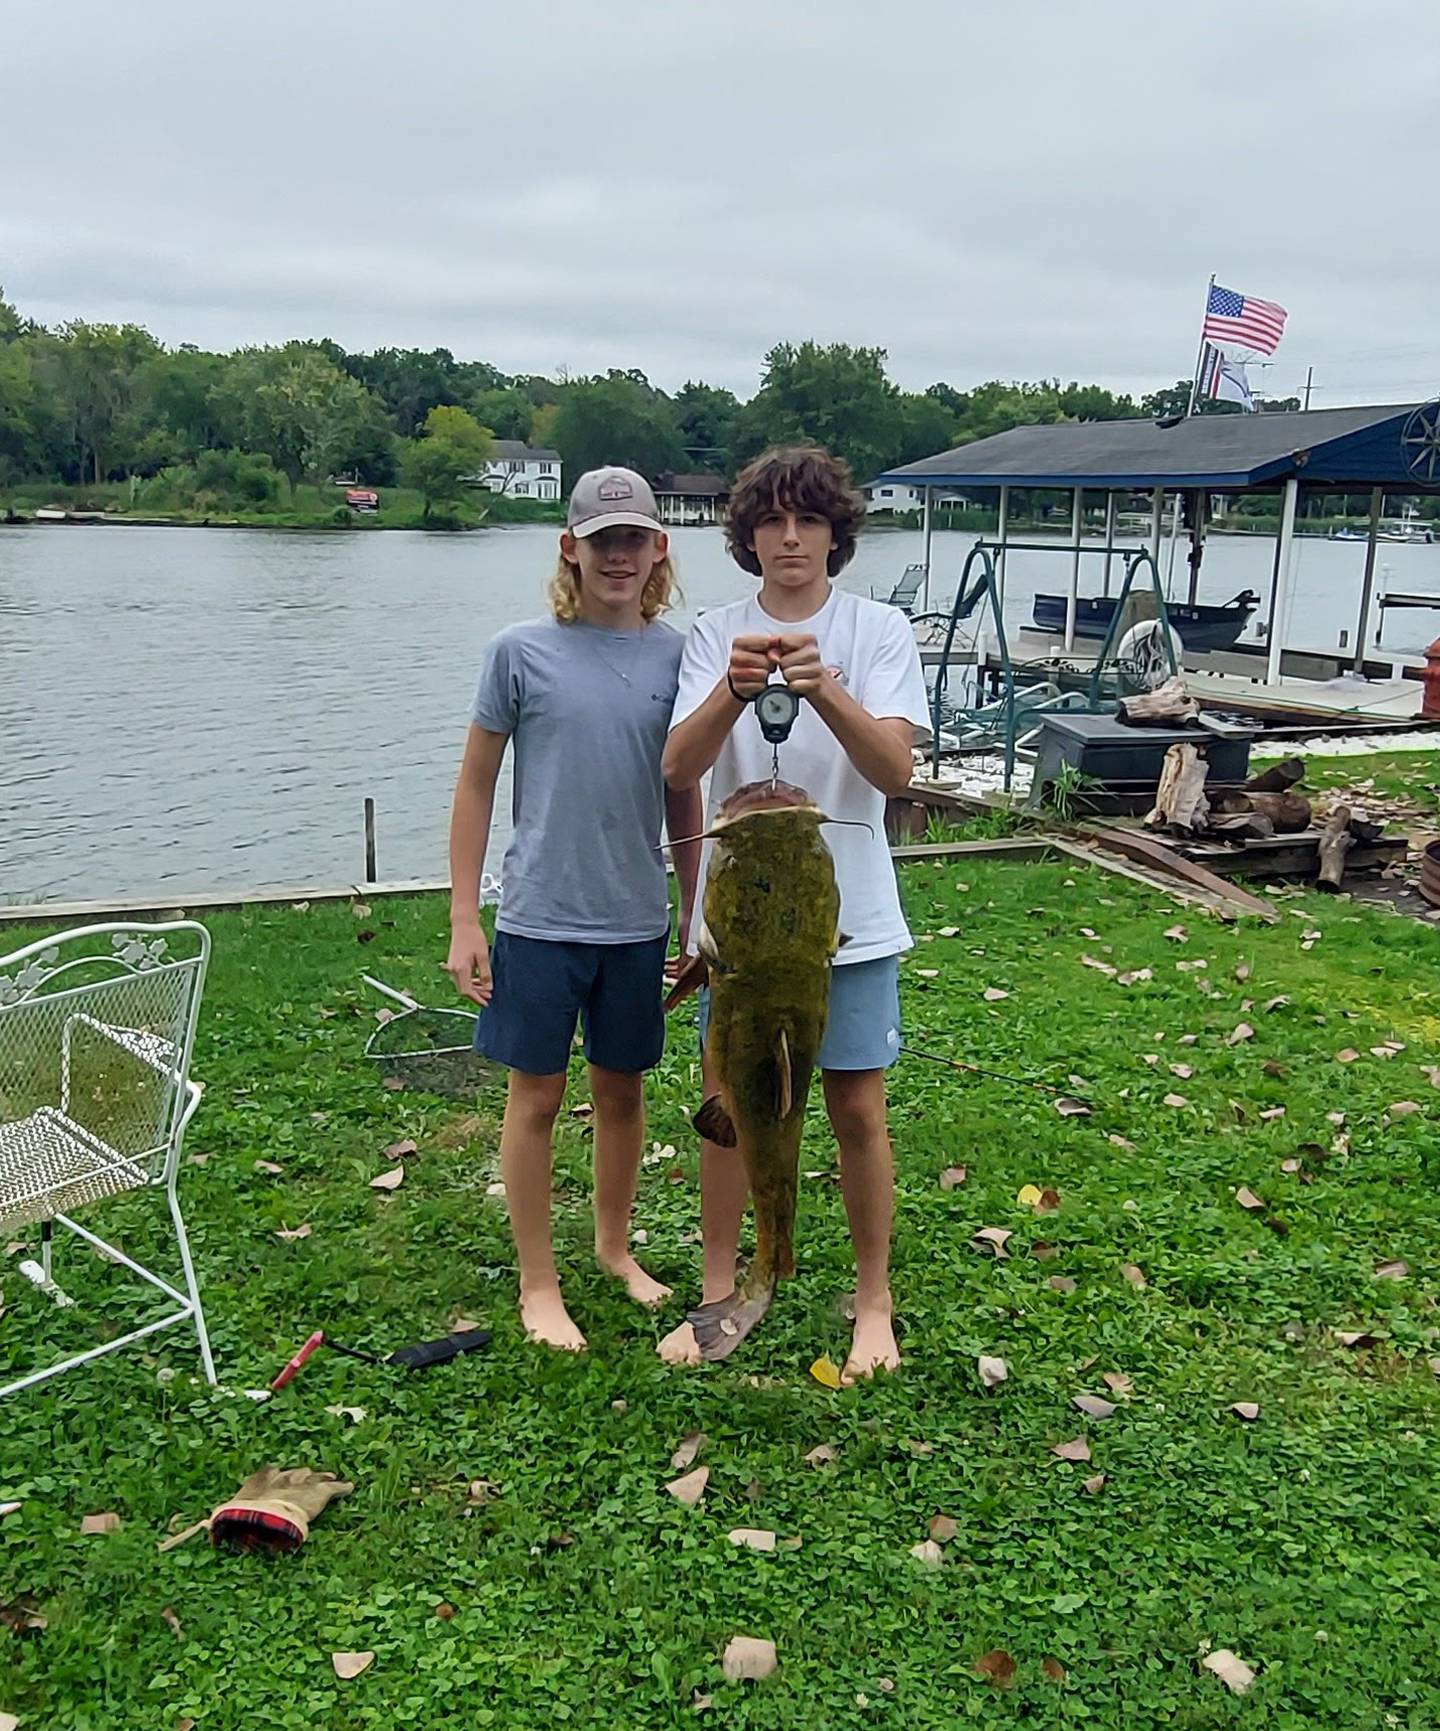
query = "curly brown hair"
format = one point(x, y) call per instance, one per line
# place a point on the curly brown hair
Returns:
point(797, 478)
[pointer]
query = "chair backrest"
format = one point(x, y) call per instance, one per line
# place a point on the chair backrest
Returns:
point(97, 1025)
point(904, 593)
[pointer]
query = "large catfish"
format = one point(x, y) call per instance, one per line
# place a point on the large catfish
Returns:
point(768, 937)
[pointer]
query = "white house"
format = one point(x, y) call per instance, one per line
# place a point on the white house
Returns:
point(894, 496)
point(522, 471)
point(691, 498)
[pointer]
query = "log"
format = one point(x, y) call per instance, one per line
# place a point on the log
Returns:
point(1289, 812)
point(1279, 778)
point(1168, 705)
point(1242, 826)
point(1335, 842)
point(1180, 802)
point(1364, 829)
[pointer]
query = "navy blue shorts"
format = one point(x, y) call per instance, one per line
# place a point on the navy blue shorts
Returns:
point(542, 987)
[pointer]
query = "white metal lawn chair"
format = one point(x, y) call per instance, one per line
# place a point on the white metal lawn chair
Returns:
point(96, 1029)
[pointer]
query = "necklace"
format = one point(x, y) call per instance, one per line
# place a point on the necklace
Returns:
point(593, 635)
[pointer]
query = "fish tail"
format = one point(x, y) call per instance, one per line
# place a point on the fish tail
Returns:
point(721, 1326)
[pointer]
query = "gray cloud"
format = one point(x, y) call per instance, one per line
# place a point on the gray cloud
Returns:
point(984, 189)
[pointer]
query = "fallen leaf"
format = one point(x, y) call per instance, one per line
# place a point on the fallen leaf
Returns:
point(1177, 934)
point(382, 1016)
point(1403, 1108)
point(1060, 1283)
point(943, 1529)
point(1240, 1032)
point(1029, 1195)
point(173, 1622)
point(1246, 1409)
point(1183, 1071)
point(948, 932)
point(690, 1446)
point(701, 1703)
point(998, 1666)
point(1049, 1202)
point(106, 1523)
point(1354, 1337)
point(1234, 1673)
point(1117, 1382)
point(1271, 1068)
point(1053, 1669)
point(991, 1238)
point(270, 1167)
point(1069, 1107)
point(1041, 1250)
point(1348, 1056)
point(1150, 1058)
point(1271, 1113)
point(1275, 1004)
point(394, 1084)
point(826, 1371)
point(1133, 1274)
point(583, 1110)
point(356, 1414)
point(1093, 1405)
point(1135, 976)
point(1431, 1072)
point(25, 1617)
point(1289, 1165)
point(1100, 967)
point(348, 1665)
point(391, 1180)
point(1117, 1141)
point(1092, 1487)
point(928, 973)
point(1187, 1040)
point(993, 994)
point(398, 1150)
point(1077, 1449)
point(951, 1177)
point(691, 1488)
point(1392, 1270)
point(1334, 1117)
point(821, 1455)
point(360, 910)
point(479, 1492)
point(1242, 972)
point(921, 1450)
point(301, 1231)
point(1176, 1100)
point(1247, 1198)
point(993, 1371)
point(445, 1612)
point(747, 1658)
point(1085, 932)
point(752, 1538)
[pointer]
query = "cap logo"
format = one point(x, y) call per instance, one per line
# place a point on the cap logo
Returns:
point(616, 487)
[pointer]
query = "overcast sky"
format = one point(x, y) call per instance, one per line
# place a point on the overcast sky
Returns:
point(1016, 189)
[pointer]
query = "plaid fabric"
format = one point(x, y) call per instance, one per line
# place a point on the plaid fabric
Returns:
point(250, 1529)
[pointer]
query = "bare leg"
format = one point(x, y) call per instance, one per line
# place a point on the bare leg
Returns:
point(619, 1097)
point(855, 1100)
point(724, 1191)
point(531, 1103)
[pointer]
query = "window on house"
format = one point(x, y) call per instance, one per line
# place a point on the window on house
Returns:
point(521, 487)
point(887, 492)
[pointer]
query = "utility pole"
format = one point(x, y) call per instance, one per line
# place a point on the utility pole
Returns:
point(1309, 375)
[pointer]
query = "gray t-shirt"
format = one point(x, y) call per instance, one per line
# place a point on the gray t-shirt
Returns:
point(587, 710)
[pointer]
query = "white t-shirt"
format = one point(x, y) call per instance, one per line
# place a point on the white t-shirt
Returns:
point(873, 647)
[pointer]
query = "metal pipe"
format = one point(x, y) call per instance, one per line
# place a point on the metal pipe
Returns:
point(370, 872)
point(1077, 526)
point(1109, 538)
point(1001, 530)
point(1157, 520)
point(925, 588)
point(1280, 590)
point(1197, 540)
point(1367, 588)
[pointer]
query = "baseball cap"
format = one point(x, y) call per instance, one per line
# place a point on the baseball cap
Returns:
point(610, 498)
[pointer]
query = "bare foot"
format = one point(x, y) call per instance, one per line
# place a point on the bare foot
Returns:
point(680, 1346)
point(547, 1321)
point(638, 1283)
point(873, 1346)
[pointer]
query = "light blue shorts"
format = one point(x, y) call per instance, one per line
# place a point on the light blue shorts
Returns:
point(862, 1030)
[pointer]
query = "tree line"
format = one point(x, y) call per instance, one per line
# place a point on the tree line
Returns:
point(87, 403)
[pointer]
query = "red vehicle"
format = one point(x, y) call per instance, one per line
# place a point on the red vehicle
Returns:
point(362, 499)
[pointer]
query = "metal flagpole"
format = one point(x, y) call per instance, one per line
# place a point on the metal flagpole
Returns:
point(1200, 352)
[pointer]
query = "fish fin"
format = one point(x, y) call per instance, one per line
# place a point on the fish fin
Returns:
point(712, 1122)
point(721, 1326)
point(690, 979)
point(784, 1076)
point(843, 938)
point(705, 943)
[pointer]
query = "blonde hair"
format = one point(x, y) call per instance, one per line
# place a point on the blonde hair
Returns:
point(660, 594)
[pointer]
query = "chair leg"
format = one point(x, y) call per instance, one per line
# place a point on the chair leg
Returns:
point(190, 1284)
point(47, 1234)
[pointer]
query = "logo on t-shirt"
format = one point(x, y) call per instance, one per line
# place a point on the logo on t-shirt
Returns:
point(837, 674)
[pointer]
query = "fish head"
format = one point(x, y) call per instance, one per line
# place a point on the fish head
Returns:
point(765, 799)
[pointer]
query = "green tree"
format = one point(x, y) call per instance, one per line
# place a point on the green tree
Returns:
point(10, 326)
point(410, 382)
point(22, 446)
point(541, 435)
point(705, 416)
point(618, 419)
point(504, 411)
point(96, 371)
point(179, 390)
point(295, 405)
point(453, 445)
point(1171, 400)
point(834, 394)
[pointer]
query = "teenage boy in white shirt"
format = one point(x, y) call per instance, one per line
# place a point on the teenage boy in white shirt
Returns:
point(793, 518)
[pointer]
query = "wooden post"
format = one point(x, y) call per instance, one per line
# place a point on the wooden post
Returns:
point(1367, 589)
point(370, 872)
point(1335, 842)
point(1280, 595)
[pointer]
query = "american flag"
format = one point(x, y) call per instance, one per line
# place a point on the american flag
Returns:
point(1241, 322)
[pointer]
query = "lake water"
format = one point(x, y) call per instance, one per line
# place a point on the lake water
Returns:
point(192, 709)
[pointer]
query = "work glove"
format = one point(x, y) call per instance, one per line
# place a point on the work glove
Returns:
point(273, 1509)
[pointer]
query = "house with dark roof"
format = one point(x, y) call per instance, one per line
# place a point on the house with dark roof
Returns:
point(691, 499)
point(520, 471)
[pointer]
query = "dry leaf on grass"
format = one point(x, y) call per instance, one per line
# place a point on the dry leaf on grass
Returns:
point(826, 1372)
point(1334, 1117)
point(943, 1529)
point(748, 1659)
point(173, 1622)
point(691, 1488)
point(1187, 1040)
point(1274, 1004)
point(1392, 1270)
point(8, 1722)
point(1135, 976)
point(998, 1666)
point(1177, 934)
point(496, 1187)
point(1099, 966)
point(1093, 1486)
point(1117, 1141)
point(1271, 1113)
point(1028, 1196)
point(1234, 1673)
point(391, 1180)
point(1175, 1100)
point(1117, 1382)
point(690, 1446)
point(1348, 1056)
point(1133, 1274)
point(993, 994)
point(993, 1371)
point(1150, 1058)
point(752, 1538)
point(1069, 1107)
point(992, 1238)
point(1077, 1449)
point(1042, 1250)
point(1093, 1405)
point(951, 1177)
point(1053, 1670)
point(928, 1554)
point(1060, 1283)
point(928, 973)
point(1247, 1198)
point(821, 1456)
point(1183, 1071)
point(1403, 1108)
point(1246, 1409)
point(1049, 1202)
point(1431, 1073)
point(398, 1150)
point(1242, 972)
point(301, 1231)
point(1354, 1337)
point(348, 1665)
point(1240, 1032)
point(106, 1523)
point(948, 932)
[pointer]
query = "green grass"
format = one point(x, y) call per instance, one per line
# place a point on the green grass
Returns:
point(582, 1594)
point(1408, 775)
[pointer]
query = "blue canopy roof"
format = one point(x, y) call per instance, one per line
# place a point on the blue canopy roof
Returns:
point(1339, 448)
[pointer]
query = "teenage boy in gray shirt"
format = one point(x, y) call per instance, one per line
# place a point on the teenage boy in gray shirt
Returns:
point(584, 696)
